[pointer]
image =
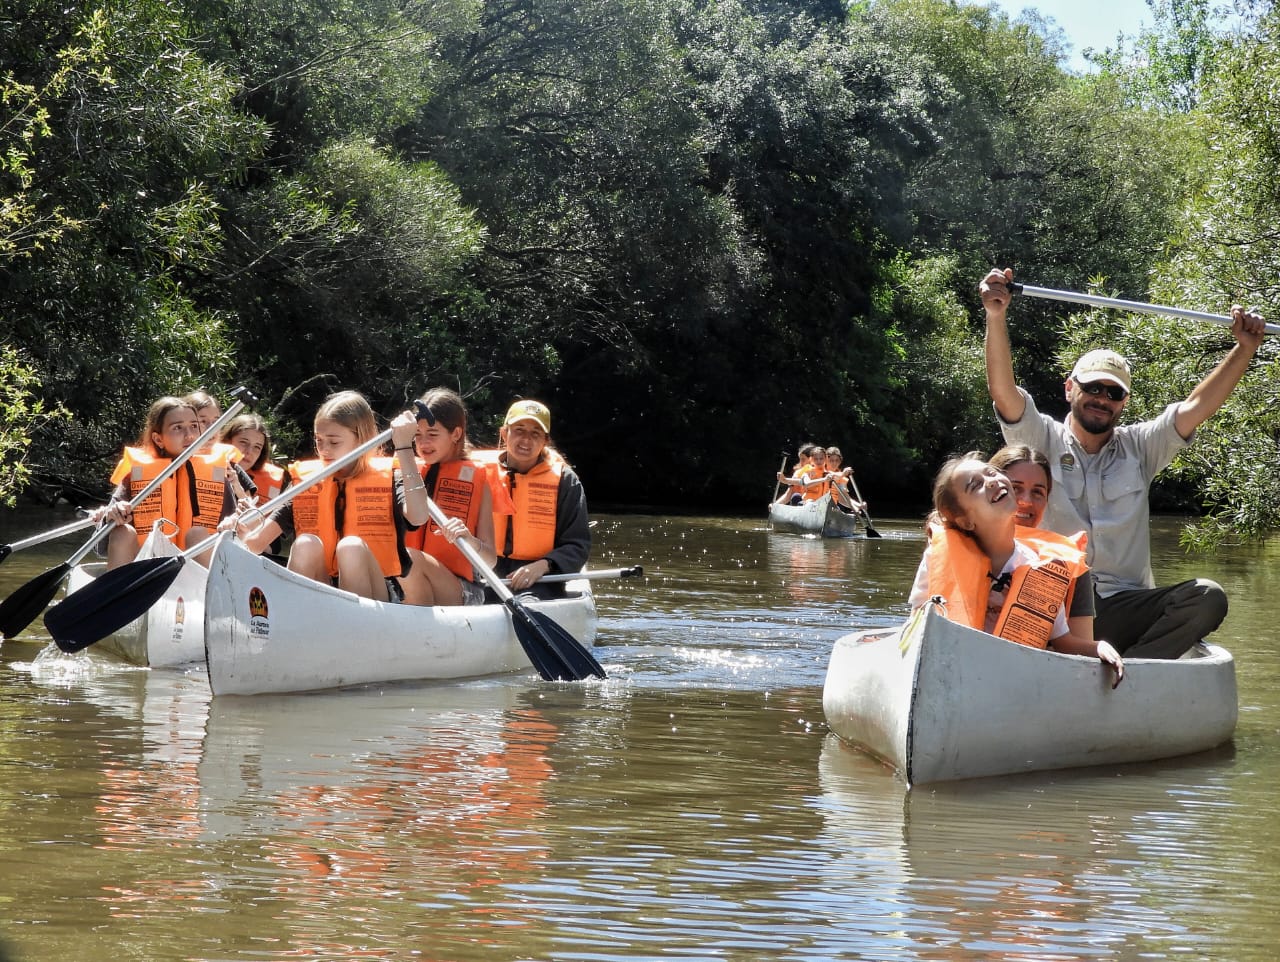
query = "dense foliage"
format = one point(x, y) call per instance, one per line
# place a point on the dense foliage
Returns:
point(703, 230)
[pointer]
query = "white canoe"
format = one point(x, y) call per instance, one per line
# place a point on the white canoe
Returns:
point(270, 630)
point(941, 701)
point(823, 516)
point(172, 631)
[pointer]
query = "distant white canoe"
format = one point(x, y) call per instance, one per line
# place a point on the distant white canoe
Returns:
point(172, 631)
point(821, 516)
point(941, 701)
point(270, 630)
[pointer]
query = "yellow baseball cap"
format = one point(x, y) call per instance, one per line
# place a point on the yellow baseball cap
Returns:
point(529, 411)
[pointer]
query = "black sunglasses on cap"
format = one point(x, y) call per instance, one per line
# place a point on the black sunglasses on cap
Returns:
point(1114, 391)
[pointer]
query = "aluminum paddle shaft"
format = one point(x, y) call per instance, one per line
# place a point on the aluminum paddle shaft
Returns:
point(1094, 300)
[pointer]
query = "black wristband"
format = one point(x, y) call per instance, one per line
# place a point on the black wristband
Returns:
point(409, 448)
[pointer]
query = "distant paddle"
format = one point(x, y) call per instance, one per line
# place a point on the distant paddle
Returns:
point(24, 605)
point(871, 531)
point(110, 602)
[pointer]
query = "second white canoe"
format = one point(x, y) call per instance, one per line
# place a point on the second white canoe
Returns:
point(941, 701)
point(270, 630)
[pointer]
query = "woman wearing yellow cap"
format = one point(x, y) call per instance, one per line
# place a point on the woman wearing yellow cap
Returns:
point(549, 531)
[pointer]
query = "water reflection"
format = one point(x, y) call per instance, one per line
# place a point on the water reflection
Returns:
point(690, 808)
point(1032, 866)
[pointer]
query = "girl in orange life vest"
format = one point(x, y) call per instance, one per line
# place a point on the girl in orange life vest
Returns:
point(463, 489)
point(194, 499)
point(838, 478)
point(1028, 471)
point(794, 492)
point(350, 528)
point(975, 544)
point(548, 530)
point(248, 434)
point(206, 407)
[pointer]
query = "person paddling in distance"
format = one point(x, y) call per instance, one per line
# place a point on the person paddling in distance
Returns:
point(464, 490)
point(548, 531)
point(349, 530)
point(194, 499)
point(1102, 471)
point(807, 466)
point(838, 480)
point(1015, 584)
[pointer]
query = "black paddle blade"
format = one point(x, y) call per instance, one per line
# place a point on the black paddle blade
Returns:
point(5, 551)
point(873, 533)
point(110, 602)
point(556, 654)
point(24, 605)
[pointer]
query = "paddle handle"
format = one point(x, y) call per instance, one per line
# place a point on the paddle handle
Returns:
point(291, 492)
point(243, 397)
point(1093, 300)
point(634, 571)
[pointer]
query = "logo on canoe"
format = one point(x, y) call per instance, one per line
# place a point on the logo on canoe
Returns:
point(258, 623)
point(179, 617)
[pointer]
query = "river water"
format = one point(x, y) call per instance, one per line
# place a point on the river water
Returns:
point(691, 807)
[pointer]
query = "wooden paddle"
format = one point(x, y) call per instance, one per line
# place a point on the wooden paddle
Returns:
point(24, 605)
point(1093, 300)
point(781, 470)
point(871, 531)
point(634, 571)
point(110, 602)
point(555, 653)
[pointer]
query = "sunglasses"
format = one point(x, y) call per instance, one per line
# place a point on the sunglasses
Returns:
point(1114, 392)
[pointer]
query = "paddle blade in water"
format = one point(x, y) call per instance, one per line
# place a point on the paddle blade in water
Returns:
point(24, 605)
point(556, 654)
point(5, 551)
point(110, 602)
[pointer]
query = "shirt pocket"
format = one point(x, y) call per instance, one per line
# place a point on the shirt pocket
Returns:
point(1070, 481)
point(1123, 482)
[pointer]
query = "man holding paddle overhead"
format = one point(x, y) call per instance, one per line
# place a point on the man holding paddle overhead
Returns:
point(1102, 472)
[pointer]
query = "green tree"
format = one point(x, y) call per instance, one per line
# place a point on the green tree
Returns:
point(1224, 252)
point(129, 130)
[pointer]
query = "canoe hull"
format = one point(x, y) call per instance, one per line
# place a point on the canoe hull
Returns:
point(270, 630)
point(941, 701)
point(171, 633)
point(822, 517)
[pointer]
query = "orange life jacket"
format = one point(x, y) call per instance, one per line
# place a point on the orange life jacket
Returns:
point(528, 531)
point(173, 499)
point(369, 512)
point(958, 571)
point(459, 493)
point(270, 481)
point(816, 489)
